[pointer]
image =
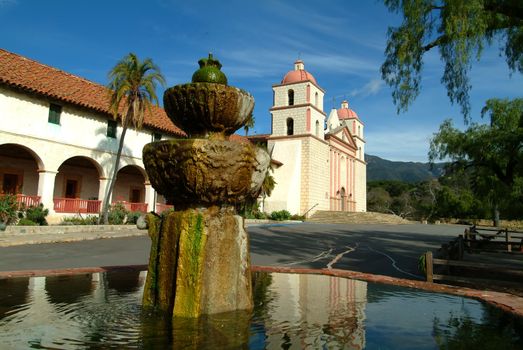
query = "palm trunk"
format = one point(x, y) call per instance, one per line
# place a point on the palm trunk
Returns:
point(105, 210)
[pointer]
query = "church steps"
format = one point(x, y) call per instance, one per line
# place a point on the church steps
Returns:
point(340, 217)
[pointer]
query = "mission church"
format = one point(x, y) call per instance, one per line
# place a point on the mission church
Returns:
point(318, 161)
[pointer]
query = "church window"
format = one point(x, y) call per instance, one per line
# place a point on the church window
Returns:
point(316, 99)
point(54, 114)
point(317, 128)
point(111, 129)
point(291, 97)
point(290, 126)
point(359, 130)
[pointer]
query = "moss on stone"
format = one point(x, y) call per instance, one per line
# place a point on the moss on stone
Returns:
point(190, 265)
point(151, 283)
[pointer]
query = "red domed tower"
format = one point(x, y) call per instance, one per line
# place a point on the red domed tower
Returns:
point(298, 104)
point(345, 116)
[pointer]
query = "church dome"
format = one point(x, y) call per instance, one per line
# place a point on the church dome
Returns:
point(345, 112)
point(298, 74)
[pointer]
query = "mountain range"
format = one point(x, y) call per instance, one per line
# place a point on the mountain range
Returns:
point(383, 169)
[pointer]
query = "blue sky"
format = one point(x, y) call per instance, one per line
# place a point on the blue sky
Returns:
point(341, 43)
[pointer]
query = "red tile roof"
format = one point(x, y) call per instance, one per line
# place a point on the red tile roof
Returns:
point(31, 76)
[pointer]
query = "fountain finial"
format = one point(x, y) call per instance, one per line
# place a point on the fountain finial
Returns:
point(209, 71)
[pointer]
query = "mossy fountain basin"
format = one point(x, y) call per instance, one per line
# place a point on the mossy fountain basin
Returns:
point(203, 109)
point(205, 172)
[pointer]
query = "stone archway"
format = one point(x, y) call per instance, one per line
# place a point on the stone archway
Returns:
point(77, 186)
point(19, 168)
point(129, 188)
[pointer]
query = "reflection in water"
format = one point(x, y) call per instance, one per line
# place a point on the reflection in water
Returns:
point(68, 289)
point(464, 332)
point(316, 311)
point(292, 311)
point(122, 283)
point(14, 294)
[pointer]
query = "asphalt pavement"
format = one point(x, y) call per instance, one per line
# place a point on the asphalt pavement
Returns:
point(391, 250)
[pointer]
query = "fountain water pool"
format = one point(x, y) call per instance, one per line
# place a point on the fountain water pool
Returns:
point(299, 311)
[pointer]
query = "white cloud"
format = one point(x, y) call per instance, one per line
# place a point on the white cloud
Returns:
point(371, 88)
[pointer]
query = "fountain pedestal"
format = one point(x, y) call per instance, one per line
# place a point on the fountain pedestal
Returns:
point(199, 262)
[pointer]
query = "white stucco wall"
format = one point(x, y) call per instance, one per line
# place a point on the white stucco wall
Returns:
point(315, 176)
point(286, 193)
point(81, 133)
point(361, 185)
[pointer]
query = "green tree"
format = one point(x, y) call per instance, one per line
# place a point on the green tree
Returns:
point(132, 85)
point(378, 199)
point(460, 29)
point(492, 152)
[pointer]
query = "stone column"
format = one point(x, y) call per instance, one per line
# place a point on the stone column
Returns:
point(102, 190)
point(46, 180)
point(150, 197)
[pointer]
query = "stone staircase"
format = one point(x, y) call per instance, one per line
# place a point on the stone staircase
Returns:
point(343, 217)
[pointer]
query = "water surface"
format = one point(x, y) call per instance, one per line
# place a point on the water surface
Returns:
point(293, 311)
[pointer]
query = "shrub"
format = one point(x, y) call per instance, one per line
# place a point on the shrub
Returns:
point(280, 215)
point(260, 215)
point(8, 208)
point(37, 214)
point(298, 217)
point(26, 222)
point(117, 214)
point(75, 220)
point(132, 217)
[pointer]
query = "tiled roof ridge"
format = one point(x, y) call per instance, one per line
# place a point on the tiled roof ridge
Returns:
point(54, 68)
point(157, 119)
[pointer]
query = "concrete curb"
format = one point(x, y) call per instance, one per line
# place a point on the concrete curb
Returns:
point(61, 229)
point(66, 237)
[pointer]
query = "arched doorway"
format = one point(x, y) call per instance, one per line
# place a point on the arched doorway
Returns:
point(129, 188)
point(19, 167)
point(77, 185)
point(343, 197)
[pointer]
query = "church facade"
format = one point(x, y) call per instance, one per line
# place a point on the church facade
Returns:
point(318, 159)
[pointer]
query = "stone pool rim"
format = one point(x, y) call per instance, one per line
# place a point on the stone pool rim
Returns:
point(510, 303)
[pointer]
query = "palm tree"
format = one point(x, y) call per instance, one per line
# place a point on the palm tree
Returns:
point(268, 185)
point(249, 124)
point(132, 92)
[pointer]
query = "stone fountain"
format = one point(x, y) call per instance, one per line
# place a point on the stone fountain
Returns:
point(199, 262)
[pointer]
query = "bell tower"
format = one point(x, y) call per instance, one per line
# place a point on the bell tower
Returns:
point(297, 107)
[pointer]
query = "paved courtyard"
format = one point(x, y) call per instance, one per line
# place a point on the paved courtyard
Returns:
point(390, 250)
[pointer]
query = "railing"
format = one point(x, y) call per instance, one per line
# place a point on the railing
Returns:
point(74, 205)
point(160, 207)
point(307, 212)
point(341, 204)
point(136, 207)
point(27, 201)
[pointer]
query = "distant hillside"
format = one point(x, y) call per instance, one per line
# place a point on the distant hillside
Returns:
point(382, 169)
